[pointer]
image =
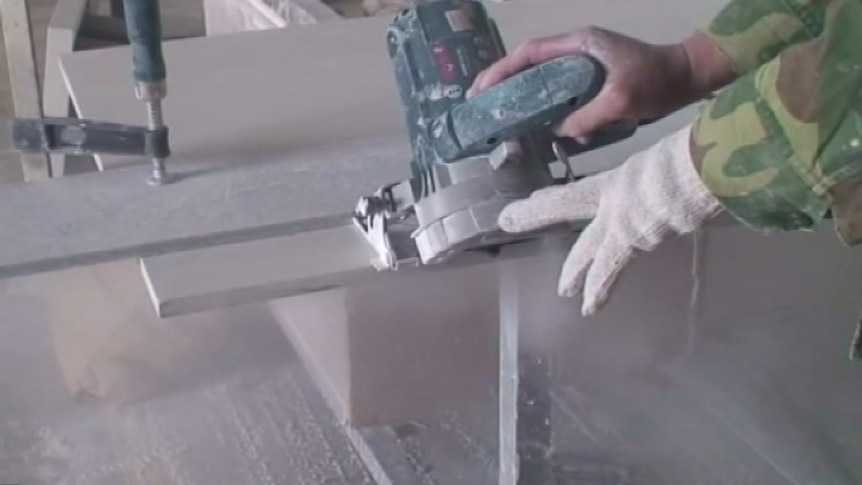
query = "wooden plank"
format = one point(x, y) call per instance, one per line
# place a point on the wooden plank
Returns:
point(23, 77)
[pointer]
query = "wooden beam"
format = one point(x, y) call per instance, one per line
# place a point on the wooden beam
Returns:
point(23, 77)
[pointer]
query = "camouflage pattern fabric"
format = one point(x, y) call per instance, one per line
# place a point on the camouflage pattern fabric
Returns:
point(780, 147)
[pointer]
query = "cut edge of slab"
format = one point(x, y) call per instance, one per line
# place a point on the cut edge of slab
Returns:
point(268, 269)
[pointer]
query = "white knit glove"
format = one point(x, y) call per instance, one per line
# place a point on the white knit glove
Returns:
point(634, 206)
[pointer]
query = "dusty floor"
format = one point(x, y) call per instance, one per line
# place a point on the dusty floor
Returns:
point(252, 417)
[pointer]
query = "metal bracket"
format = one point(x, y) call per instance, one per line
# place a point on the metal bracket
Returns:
point(87, 137)
point(371, 220)
point(383, 219)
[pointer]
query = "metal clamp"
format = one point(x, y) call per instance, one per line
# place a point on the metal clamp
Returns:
point(87, 137)
point(370, 216)
point(388, 221)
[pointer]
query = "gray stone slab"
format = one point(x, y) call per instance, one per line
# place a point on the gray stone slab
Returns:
point(97, 217)
point(193, 281)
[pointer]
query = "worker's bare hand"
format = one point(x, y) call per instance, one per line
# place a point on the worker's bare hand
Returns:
point(644, 81)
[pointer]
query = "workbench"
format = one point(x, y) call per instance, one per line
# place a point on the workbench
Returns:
point(275, 134)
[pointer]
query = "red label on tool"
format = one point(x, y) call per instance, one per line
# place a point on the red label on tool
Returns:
point(445, 63)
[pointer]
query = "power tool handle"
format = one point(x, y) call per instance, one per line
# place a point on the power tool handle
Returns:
point(528, 103)
point(143, 25)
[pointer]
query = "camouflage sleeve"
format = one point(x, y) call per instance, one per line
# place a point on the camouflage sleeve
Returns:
point(751, 33)
point(780, 147)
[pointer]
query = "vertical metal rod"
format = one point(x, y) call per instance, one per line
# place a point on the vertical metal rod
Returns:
point(155, 121)
point(144, 28)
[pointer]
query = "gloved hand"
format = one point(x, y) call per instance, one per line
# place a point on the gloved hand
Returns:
point(634, 206)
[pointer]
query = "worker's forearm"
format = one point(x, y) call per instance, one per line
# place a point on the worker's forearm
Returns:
point(780, 146)
point(752, 32)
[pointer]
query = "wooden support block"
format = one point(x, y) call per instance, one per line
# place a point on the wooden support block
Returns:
point(377, 349)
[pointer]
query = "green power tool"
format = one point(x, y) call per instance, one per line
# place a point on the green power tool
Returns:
point(471, 157)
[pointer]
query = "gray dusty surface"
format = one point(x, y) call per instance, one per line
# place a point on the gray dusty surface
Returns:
point(85, 219)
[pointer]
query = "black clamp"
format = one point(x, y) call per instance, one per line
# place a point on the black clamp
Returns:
point(87, 137)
